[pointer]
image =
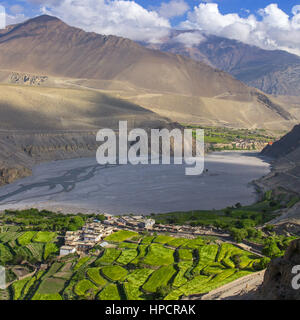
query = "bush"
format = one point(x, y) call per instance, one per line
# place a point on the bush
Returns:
point(271, 249)
point(239, 234)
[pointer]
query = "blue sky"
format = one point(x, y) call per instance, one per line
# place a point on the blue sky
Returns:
point(269, 24)
point(32, 7)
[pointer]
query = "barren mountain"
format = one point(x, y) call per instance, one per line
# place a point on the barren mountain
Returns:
point(47, 45)
point(43, 124)
point(285, 172)
point(171, 85)
point(286, 145)
point(272, 71)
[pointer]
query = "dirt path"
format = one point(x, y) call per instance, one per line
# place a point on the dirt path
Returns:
point(236, 290)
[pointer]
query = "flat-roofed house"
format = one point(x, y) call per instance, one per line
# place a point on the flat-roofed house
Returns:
point(65, 250)
point(147, 224)
point(92, 237)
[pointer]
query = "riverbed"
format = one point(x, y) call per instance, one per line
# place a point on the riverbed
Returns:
point(81, 185)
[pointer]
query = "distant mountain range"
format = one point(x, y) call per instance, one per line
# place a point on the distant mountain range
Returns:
point(173, 86)
point(274, 72)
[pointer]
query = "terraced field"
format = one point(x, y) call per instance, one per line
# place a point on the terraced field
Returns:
point(133, 267)
point(29, 245)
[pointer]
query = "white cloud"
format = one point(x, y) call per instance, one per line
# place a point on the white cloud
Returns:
point(115, 17)
point(190, 39)
point(275, 29)
point(174, 8)
point(15, 18)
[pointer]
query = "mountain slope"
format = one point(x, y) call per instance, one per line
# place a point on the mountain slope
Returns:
point(170, 85)
point(46, 44)
point(285, 172)
point(287, 144)
point(274, 72)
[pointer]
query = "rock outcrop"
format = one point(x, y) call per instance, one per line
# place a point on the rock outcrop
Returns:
point(277, 284)
point(19, 152)
point(27, 79)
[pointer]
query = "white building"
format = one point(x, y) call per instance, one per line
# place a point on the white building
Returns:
point(65, 250)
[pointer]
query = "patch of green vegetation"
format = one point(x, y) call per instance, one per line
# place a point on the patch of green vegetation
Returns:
point(110, 292)
point(17, 288)
point(163, 239)
point(180, 278)
point(185, 254)
point(81, 262)
point(230, 136)
point(142, 251)
point(158, 255)
point(26, 238)
point(114, 273)
point(51, 286)
point(177, 242)
point(108, 257)
point(128, 245)
point(44, 236)
point(49, 249)
point(120, 236)
point(127, 256)
point(134, 281)
point(159, 278)
point(44, 220)
point(153, 267)
point(83, 286)
point(148, 239)
point(45, 297)
point(95, 277)
point(5, 254)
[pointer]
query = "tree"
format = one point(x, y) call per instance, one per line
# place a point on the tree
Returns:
point(271, 249)
point(239, 234)
point(162, 292)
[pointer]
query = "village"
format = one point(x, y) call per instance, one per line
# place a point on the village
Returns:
point(94, 232)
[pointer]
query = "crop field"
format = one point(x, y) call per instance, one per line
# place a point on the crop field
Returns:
point(114, 273)
point(30, 245)
point(158, 255)
point(44, 236)
point(154, 267)
point(159, 278)
point(127, 256)
point(108, 257)
point(121, 236)
point(110, 292)
point(95, 277)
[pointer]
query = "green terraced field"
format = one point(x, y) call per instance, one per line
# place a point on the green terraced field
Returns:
point(156, 266)
point(108, 257)
point(114, 273)
point(110, 292)
point(158, 255)
point(44, 236)
point(121, 236)
point(127, 256)
point(95, 277)
point(159, 278)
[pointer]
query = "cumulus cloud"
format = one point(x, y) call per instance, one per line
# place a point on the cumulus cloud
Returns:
point(174, 8)
point(190, 39)
point(15, 18)
point(274, 30)
point(116, 17)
